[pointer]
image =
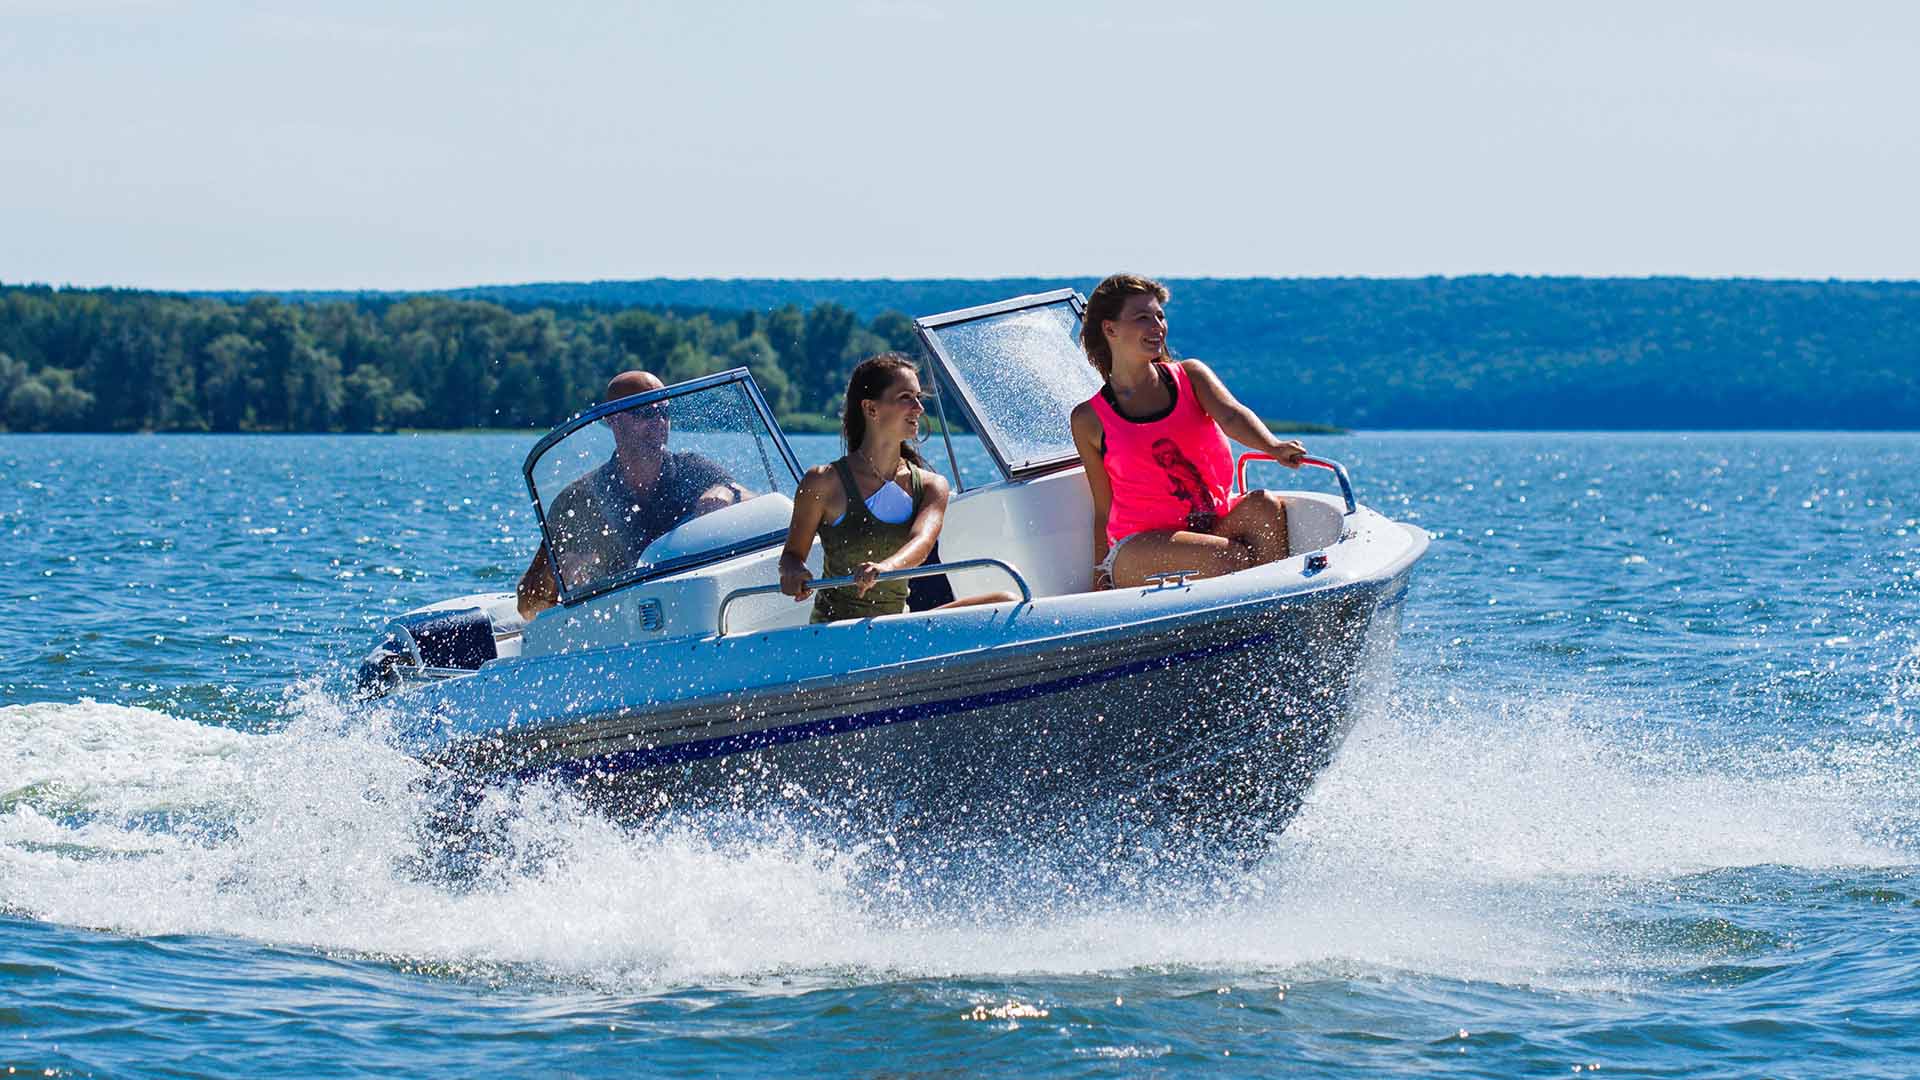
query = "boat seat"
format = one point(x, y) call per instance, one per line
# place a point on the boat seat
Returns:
point(1313, 521)
point(1043, 526)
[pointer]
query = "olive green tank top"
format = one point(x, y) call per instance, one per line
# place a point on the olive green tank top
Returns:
point(860, 537)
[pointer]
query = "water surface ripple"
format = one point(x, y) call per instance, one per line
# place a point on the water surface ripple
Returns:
point(1645, 801)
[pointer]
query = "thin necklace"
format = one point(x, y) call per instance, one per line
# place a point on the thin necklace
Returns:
point(885, 478)
point(872, 467)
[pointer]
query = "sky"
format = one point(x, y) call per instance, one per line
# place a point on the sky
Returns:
point(395, 145)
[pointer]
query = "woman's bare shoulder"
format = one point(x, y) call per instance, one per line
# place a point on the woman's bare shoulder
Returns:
point(819, 480)
point(1204, 381)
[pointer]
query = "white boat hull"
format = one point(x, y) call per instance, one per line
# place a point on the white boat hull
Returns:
point(1204, 716)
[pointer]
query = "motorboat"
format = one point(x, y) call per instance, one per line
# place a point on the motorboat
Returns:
point(678, 678)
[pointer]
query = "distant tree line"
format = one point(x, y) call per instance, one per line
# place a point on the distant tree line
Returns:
point(1564, 353)
point(1472, 352)
point(106, 360)
point(1467, 352)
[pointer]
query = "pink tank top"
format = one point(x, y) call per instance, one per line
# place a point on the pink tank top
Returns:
point(1170, 471)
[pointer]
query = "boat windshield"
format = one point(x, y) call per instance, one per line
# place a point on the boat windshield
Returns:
point(1018, 370)
point(661, 481)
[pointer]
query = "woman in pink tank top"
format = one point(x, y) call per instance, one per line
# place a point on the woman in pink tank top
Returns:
point(1154, 443)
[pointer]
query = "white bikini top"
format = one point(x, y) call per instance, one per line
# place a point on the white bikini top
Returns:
point(890, 504)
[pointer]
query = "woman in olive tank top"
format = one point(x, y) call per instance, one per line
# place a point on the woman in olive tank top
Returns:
point(876, 509)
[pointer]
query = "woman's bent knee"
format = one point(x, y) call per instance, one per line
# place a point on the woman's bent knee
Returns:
point(1267, 505)
point(1260, 524)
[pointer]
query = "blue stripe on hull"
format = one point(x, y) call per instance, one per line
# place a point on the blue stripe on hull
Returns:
point(648, 758)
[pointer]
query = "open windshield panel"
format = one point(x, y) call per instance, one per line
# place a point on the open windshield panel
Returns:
point(1017, 369)
point(658, 482)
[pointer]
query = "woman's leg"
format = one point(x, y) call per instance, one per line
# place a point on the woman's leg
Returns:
point(1205, 554)
point(981, 598)
point(1260, 523)
point(1253, 534)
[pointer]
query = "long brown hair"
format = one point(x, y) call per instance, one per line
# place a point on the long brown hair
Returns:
point(869, 380)
point(1108, 298)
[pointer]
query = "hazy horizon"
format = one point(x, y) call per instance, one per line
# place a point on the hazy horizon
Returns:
point(743, 278)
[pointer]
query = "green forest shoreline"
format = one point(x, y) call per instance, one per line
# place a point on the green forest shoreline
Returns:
point(1477, 353)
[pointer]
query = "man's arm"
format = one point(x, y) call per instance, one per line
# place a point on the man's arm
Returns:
point(537, 591)
point(588, 549)
point(715, 487)
point(718, 497)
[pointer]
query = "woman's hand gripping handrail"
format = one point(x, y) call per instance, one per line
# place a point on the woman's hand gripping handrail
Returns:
point(1026, 593)
point(1339, 472)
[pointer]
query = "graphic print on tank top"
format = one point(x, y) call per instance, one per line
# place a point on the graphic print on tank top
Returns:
point(1185, 482)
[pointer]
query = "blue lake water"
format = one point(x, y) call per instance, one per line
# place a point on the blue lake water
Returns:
point(1646, 801)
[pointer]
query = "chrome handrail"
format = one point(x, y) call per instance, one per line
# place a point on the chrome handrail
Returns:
point(1026, 593)
point(1339, 472)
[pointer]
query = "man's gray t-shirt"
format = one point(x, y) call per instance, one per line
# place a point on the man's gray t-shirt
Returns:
point(601, 526)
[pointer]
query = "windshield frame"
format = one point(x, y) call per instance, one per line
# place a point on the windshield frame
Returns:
point(569, 597)
point(963, 396)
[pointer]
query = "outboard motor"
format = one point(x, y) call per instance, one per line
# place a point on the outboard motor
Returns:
point(441, 639)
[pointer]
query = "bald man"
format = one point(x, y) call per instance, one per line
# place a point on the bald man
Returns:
point(605, 519)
